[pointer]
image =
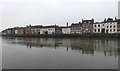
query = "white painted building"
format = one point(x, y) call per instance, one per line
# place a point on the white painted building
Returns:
point(66, 30)
point(51, 30)
point(48, 30)
point(16, 31)
point(98, 27)
point(43, 30)
point(111, 27)
point(108, 26)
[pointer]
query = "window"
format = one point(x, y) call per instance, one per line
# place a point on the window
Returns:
point(95, 30)
point(110, 26)
point(110, 30)
point(114, 30)
point(107, 26)
point(95, 25)
point(98, 25)
point(98, 30)
point(114, 26)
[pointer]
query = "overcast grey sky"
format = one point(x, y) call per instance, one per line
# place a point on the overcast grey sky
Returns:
point(15, 13)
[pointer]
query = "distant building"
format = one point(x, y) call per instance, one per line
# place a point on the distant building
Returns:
point(16, 30)
point(110, 26)
point(98, 27)
point(58, 30)
point(87, 26)
point(8, 31)
point(66, 30)
point(48, 29)
point(28, 29)
point(22, 30)
point(76, 28)
point(118, 26)
point(4, 32)
point(36, 29)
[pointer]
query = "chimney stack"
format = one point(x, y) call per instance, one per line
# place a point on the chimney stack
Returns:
point(115, 18)
point(67, 24)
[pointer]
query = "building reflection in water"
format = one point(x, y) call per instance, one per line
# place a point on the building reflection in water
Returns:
point(107, 46)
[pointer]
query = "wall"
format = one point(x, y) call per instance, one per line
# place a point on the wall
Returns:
point(42, 30)
point(51, 30)
point(66, 30)
point(111, 29)
point(98, 28)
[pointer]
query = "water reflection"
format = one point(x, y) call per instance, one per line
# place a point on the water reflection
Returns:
point(109, 47)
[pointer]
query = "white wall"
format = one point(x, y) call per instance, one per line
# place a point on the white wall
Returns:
point(16, 31)
point(97, 27)
point(111, 29)
point(42, 30)
point(66, 30)
point(51, 30)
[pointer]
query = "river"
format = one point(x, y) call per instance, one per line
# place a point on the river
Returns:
point(60, 53)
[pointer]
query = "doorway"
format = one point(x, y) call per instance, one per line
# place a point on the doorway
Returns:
point(103, 30)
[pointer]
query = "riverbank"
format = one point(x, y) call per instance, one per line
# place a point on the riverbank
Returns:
point(68, 35)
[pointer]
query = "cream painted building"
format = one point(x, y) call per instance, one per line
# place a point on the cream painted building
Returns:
point(48, 30)
point(111, 27)
point(43, 30)
point(66, 30)
point(16, 31)
point(108, 26)
point(98, 27)
point(51, 30)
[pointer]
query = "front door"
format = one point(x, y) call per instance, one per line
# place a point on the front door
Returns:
point(103, 30)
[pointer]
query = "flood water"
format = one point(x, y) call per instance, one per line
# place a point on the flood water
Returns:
point(60, 53)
